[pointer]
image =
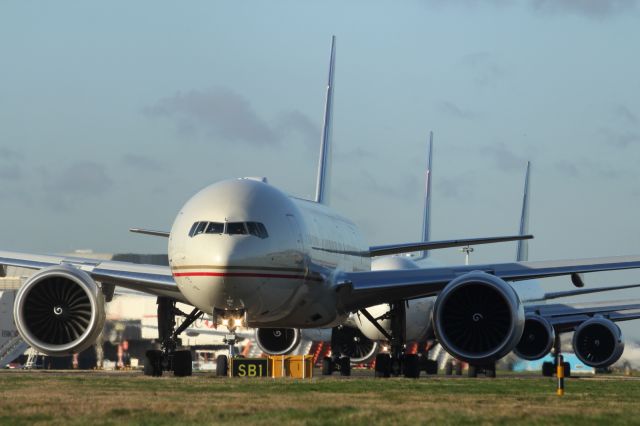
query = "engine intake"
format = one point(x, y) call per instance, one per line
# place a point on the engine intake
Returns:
point(351, 342)
point(478, 318)
point(277, 341)
point(598, 342)
point(537, 338)
point(59, 310)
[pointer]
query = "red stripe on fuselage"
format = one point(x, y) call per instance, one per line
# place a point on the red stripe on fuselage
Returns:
point(236, 274)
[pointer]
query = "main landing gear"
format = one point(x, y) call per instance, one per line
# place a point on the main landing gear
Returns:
point(169, 358)
point(549, 369)
point(396, 362)
point(336, 362)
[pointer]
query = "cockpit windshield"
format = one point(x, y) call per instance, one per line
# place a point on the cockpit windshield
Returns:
point(231, 228)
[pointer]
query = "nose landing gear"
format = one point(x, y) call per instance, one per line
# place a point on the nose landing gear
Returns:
point(169, 358)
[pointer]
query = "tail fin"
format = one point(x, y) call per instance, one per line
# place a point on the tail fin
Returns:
point(426, 220)
point(324, 162)
point(522, 254)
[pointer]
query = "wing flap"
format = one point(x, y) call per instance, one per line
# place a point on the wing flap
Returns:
point(566, 317)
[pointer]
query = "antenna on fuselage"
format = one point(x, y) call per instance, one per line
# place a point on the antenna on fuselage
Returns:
point(426, 219)
point(522, 253)
point(324, 162)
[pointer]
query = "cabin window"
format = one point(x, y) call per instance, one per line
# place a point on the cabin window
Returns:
point(215, 228)
point(232, 228)
point(236, 228)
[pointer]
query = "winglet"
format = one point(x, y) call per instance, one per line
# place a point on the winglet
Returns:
point(522, 254)
point(426, 220)
point(324, 161)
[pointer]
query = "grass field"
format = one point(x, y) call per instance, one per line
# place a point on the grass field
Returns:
point(39, 397)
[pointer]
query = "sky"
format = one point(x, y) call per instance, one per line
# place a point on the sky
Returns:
point(113, 114)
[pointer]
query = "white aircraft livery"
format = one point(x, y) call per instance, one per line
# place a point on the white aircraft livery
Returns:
point(250, 255)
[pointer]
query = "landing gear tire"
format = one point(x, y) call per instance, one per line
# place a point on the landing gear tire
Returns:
point(153, 364)
point(490, 371)
point(472, 371)
point(383, 365)
point(327, 366)
point(567, 369)
point(222, 366)
point(547, 369)
point(345, 366)
point(448, 368)
point(411, 366)
point(182, 366)
point(430, 367)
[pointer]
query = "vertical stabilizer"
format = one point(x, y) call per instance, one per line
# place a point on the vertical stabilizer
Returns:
point(522, 254)
point(426, 219)
point(324, 162)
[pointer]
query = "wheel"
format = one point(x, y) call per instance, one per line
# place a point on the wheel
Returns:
point(567, 369)
point(182, 366)
point(153, 366)
point(345, 366)
point(448, 368)
point(490, 371)
point(383, 365)
point(472, 371)
point(458, 368)
point(327, 366)
point(431, 366)
point(547, 369)
point(411, 366)
point(222, 366)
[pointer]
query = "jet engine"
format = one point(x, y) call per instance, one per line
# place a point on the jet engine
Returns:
point(350, 341)
point(277, 341)
point(59, 310)
point(478, 318)
point(598, 342)
point(537, 338)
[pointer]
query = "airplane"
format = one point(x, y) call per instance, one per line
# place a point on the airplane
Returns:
point(250, 255)
point(376, 326)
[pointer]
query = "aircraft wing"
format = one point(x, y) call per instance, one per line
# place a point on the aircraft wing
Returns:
point(151, 279)
point(357, 290)
point(566, 317)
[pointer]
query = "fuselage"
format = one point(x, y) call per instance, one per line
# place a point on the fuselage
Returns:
point(244, 246)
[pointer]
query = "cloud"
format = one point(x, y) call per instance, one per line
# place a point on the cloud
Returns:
point(405, 190)
point(455, 188)
point(223, 114)
point(625, 114)
point(295, 122)
point(10, 169)
point(503, 157)
point(453, 110)
point(9, 154)
point(598, 9)
point(619, 139)
point(10, 172)
point(81, 178)
point(143, 163)
point(578, 168)
point(484, 66)
point(594, 9)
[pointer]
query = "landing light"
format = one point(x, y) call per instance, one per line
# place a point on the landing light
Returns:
point(225, 322)
point(237, 322)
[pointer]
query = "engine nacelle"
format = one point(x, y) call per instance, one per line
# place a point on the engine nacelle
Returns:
point(277, 341)
point(478, 318)
point(59, 310)
point(537, 338)
point(350, 341)
point(598, 342)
